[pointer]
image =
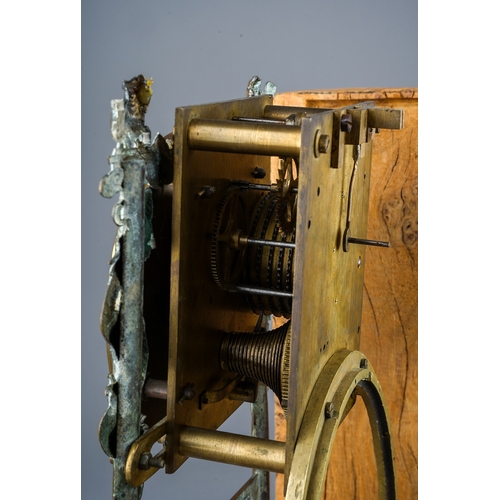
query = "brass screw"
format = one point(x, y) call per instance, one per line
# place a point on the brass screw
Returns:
point(206, 192)
point(188, 394)
point(330, 411)
point(259, 173)
point(144, 461)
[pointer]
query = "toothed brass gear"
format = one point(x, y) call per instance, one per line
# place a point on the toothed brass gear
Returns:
point(268, 266)
point(285, 176)
point(234, 262)
point(286, 208)
point(286, 213)
point(285, 370)
point(231, 216)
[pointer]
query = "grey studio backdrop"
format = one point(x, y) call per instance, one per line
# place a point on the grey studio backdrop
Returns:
point(205, 51)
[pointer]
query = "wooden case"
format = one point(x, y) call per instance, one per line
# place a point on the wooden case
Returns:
point(389, 320)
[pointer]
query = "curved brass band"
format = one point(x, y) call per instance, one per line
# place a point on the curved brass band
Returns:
point(233, 449)
point(345, 374)
point(246, 138)
point(371, 393)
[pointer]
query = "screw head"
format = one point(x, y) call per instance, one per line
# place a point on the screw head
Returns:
point(188, 392)
point(330, 411)
point(206, 192)
point(144, 460)
point(329, 408)
point(259, 173)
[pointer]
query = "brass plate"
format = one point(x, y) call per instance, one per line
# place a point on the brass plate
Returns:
point(200, 312)
point(328, 282)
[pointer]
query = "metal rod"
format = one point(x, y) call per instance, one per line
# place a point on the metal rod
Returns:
point(269, 139)
point(345, 242)
point(260, 187)
point(260, 429)
point(373, 243)
point(156, 389)
point(251, 185)
point(233, 449)
point(261, 291)
point(270, 243)
point(130, 353)
point(357, 154)
point(258, 120)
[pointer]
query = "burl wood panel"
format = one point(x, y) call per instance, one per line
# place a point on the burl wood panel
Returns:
point(389, 322)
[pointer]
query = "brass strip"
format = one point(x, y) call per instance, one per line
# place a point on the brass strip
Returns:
point(233, 449)
point(386, 118)
point(246, 138)
point(194, 339)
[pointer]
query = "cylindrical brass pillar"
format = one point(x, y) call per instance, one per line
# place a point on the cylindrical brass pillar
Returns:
point(233, 449)
point(246, 138)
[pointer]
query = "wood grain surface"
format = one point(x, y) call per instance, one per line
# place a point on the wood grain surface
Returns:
point(390, 320)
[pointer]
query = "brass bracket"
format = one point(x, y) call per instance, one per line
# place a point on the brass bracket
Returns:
point(209, 397)
point(133, 474)
point(245, 391)
point(338, 141)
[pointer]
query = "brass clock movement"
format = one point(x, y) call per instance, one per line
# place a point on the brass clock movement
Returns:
point(238, 266)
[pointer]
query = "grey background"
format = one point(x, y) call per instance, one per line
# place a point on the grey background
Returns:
point(200, 51)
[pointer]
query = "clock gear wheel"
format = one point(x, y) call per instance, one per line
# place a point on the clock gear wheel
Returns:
point(231, 219)
point(287, 182)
